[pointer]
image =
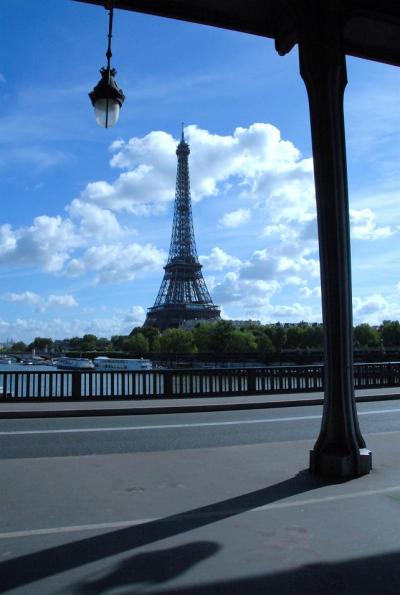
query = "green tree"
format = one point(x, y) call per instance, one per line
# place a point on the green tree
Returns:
point(136, 345)
point(151, 333)
point(19, 347)
point(264, 345)
point(176, 341)
point(41, 344)
point(89, 342)
point(241, 341)
point(117, 342)
point(103, 344)
point(203, 337)
point(222, 336)
point(295, 336)
point(390, 333)
point(365, 336)
point(75, 343)
point(312, 335)
point(155, 348)
point(277, 334)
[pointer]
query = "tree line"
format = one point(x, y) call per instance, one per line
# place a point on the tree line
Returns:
point(218, 338)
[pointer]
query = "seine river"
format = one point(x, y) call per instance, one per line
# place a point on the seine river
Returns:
point(25, 368)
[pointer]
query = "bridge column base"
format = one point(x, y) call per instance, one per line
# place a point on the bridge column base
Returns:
point(341, 466)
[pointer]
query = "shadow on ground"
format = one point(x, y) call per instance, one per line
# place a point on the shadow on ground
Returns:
point(151, 568)
point(366, 576)
point(39, 565)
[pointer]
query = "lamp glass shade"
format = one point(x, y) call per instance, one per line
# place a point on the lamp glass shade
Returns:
point(106, 112)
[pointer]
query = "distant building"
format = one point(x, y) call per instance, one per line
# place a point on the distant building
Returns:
point(183, 295)
point(190, 324)
point(245, 323)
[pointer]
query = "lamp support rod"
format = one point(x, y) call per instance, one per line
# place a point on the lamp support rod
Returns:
point(110, 23)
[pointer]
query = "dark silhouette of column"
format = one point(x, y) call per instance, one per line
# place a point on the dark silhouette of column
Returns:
point(340, 449)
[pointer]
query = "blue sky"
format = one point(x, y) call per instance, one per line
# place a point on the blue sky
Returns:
point(87, 212)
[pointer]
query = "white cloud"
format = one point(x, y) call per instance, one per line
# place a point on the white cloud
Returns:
point(141, 191)
point(374, 112)
point(263, 164)
point(45, 244)
point(8, 240)
point(256, 297)
point(219, 259)
point(294, 311)
point(269, 284)
point(62, 301)
point(35, 157)
point(268, 264)
point(57, 245)
point(116, 262)
point(41, 303)
point(26, 329)
point(135, 316)
point(265, 168)
point(236, 218)
point(308, 292)
point(235, 290)
point(252, 164)
point(364, 226)
point(281, 232)
point(263, 265)
point(374, 308)
point(94, 222)
point(27, 297)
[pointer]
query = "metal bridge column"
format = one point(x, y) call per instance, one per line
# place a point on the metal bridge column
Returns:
point(340, 449)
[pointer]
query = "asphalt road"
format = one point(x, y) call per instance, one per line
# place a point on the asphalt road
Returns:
point(64, 437)
point(147, 516)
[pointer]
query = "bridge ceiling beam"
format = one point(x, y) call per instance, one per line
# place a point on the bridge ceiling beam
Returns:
point(371, 29)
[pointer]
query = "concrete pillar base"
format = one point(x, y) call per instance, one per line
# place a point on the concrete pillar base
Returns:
point(341, 466)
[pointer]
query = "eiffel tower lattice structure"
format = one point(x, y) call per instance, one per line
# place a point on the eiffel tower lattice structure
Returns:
point(183, 294)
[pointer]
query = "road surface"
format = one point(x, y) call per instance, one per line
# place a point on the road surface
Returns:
point(195, 503)
point(125, 434)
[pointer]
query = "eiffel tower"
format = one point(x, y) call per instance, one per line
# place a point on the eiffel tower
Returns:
point(183, 294)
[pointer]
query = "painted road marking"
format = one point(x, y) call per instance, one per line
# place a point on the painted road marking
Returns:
point(200, 512)
point(179, 426)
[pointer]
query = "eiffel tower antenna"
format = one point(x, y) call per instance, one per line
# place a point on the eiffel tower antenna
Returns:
point(183, 294)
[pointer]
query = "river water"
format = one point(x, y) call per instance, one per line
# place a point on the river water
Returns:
point(4, 368)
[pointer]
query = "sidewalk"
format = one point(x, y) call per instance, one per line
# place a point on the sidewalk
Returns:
point(235, 520)
point(142, 406)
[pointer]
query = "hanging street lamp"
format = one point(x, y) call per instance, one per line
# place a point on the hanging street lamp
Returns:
point(107, 98)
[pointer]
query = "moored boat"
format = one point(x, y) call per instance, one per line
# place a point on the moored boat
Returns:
point(110, 364)
point(75, 363)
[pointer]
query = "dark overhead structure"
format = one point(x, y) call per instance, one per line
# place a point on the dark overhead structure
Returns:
point(183, 294)
point(325, 31)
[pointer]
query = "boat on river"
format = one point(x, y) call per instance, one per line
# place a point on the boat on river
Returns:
point(111, 364)
point(75, 363)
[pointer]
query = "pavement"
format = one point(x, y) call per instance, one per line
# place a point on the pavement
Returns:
point(229, 520)
point(143, 406)
point(236, 520)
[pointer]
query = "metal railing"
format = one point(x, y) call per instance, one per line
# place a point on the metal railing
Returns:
point(90, 386)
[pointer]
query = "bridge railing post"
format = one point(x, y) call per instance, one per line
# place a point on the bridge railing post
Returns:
point(76, 386)
point(251, 381)
point(168, 383)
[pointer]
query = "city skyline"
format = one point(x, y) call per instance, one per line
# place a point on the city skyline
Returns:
point(87, 212)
